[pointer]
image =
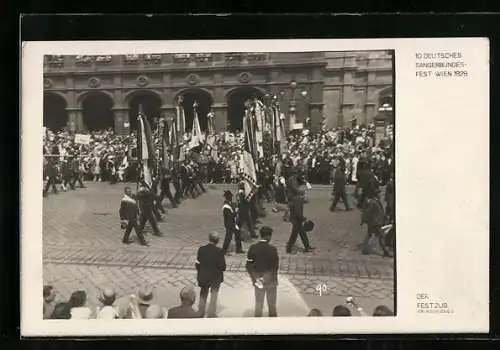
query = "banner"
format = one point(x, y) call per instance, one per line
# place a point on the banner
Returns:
point(146, 148)
point(82, 139)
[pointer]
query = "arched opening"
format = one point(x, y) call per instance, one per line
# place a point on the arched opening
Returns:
point(97, 113)
point(385, 107)
point(236, 105)
point(204, 101)
point(54, 112)
point(151, 107)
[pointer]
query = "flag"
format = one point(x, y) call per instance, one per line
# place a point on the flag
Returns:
point(247, 169)
point(165, 143)
point(260, 122)
point(146, 148)
point(196, 136)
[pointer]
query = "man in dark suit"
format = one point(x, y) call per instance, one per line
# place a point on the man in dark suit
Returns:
point(244, 211)
point(185, 310)
point(128, 215)
point(210, 264)
point(262, 266)
point(373, 216)
point(165, 188)
point(51, 174)
point(297, 219)
point(146, 199)
point(230, 224)
point(339, 182)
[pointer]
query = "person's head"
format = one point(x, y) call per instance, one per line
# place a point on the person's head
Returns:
point(145, 294)
point(228, 196)
point(49, 294)
point(266, 233)
point(214, 237)
point(341, 310)
point(382, 310)
point(78, 299)
point(128, 191)
point(315, 313)
point(61, 311)
point(154, 311)
point(107, 297)
point(188, 296)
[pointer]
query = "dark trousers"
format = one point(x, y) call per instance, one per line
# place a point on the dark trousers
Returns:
point(244, 219)
point(200, 184)
point(339, 194)
point(50, 182)
point(165, 191)
point(147, 215)
point(229, 237)
point(77, 177)
point(132, 224)
point(373, 230)
point(212, 306)
point(68, 181)
point(271, 294)
point(297, 230)
point(178, 191)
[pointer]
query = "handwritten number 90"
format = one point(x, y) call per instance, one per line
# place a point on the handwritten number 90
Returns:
point(321, 289)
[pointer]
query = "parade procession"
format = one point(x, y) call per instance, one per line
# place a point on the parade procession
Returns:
point(263, 216)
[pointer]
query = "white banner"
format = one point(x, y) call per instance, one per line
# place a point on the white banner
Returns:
point(82, 139)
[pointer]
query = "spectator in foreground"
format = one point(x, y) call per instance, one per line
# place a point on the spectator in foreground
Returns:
point(382, 310)
point(185, 310)
point(210, 265)
point(49, 303)
point(107, 298)
point(341, 311)
point(315, 313)
point(262, 266)
point(154, 312)
point(77, 302)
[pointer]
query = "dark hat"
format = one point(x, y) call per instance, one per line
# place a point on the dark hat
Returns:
point(308, 226)
point(228, 194)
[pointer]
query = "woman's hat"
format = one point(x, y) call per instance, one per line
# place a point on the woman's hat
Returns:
point(308, 226)
point(145, 295)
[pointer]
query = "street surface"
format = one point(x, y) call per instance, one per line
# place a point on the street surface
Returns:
point(82, 249)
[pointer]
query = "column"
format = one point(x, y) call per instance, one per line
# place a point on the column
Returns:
point(122, 120)
point(316, 113)
point(75, 120)
point(220, 110)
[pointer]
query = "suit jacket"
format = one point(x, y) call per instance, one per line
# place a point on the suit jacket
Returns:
point(229, 216)
point(263, 262)
point(183, 311)
point(339, 179)
point(373, 214)
point(128, 209)
point(210, 264)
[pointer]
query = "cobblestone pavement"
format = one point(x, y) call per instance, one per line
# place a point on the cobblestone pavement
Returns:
point(83, 250)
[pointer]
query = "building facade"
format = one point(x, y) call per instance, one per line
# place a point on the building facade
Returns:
point(96, 92)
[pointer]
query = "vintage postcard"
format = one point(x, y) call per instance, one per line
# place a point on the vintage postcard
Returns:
point(254, 187)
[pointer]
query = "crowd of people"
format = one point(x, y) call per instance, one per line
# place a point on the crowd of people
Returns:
point(110, 157)
point(339, 157)
point(262, 267)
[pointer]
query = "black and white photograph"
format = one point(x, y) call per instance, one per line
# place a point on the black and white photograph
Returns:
point(218, 185)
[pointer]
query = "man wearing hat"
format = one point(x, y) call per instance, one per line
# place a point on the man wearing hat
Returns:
point(229, 216)
point(210, 264)
point(297, 219)
point(141, 302)
point(373, 216)
point(244, 210)
point(146, 199)
point(262, 266)
point(339, 182)
point(107, 311)
point(128, 216)
point(185, 310)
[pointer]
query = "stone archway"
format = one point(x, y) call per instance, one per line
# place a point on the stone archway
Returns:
point(204, 101)
point(236, 99)
point(55, 116)
point(151, 107)
point(97, 111)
